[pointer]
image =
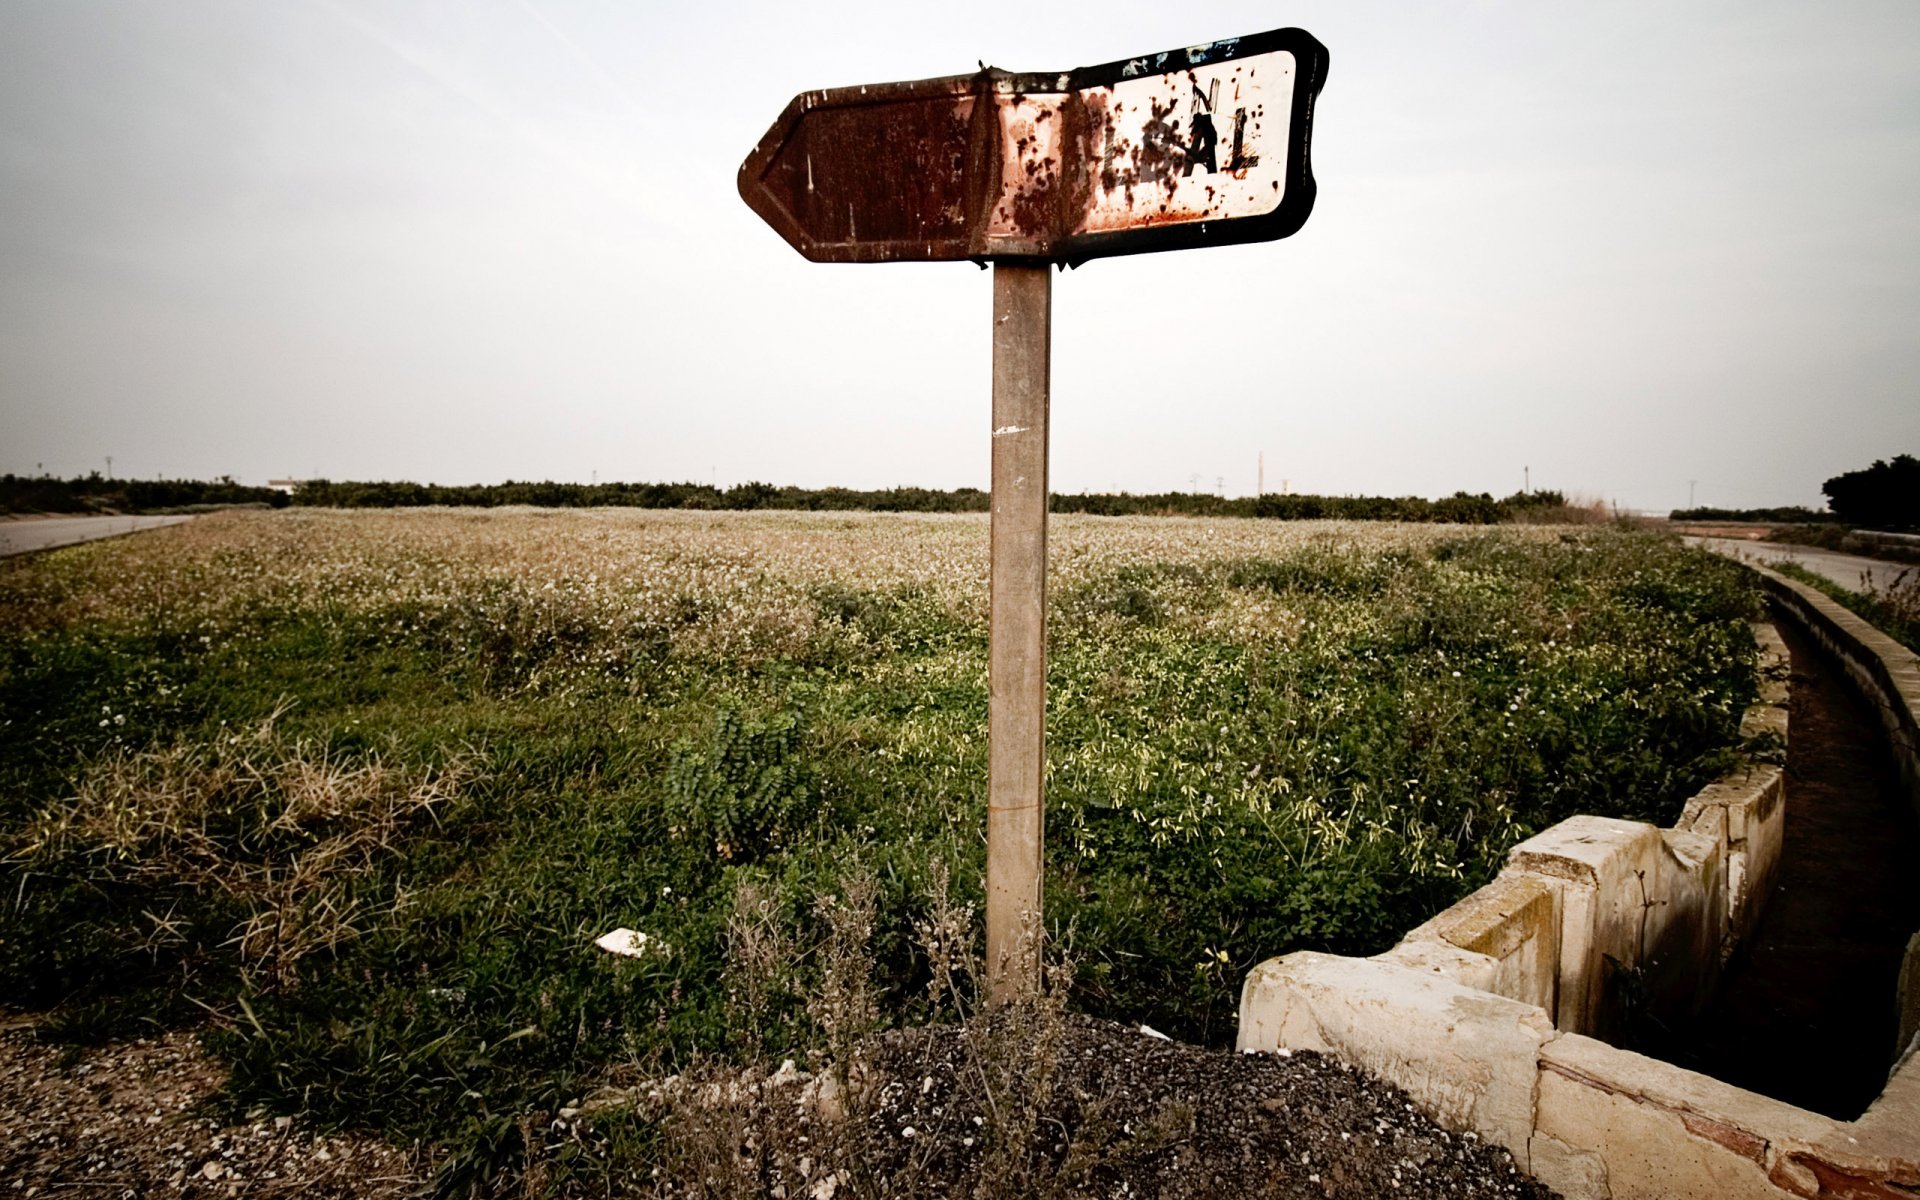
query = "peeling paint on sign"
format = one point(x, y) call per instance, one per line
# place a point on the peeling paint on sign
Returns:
point(1202, 146)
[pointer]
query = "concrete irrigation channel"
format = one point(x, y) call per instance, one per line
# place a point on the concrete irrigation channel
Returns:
point(1813, 979)
point(1767, 940)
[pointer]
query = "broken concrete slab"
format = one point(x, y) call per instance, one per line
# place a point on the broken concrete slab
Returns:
point(1514, 922)
point(1467, 1057)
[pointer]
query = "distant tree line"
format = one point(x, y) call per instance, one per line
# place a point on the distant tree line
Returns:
point(1885, 495)
point(1472, 508)
point(1791, 515)
point(547, 494)
point(1465, 508)
point(95, 493)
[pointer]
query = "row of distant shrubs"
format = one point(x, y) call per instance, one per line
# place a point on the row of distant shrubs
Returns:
point(1792, 515)
point(94, 493)
point(97, 494)
point(1885, 495)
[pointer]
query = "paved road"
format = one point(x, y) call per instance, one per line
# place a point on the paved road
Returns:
point(18, 537)
point(1844, 569)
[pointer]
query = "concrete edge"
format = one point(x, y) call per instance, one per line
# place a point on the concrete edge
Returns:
point(1608, 1122)
point(1884, 670)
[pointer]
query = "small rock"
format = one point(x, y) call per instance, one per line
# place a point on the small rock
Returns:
point(822, 1095)
point(629, 943)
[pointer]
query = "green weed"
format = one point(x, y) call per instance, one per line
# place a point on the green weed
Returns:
point(543, 727)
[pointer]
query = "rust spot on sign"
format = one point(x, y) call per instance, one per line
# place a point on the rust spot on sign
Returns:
point(1152, 153)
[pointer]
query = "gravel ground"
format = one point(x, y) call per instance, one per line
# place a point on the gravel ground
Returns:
point(1128, 1116)
point(130, 1119)
point(1134, 1115)
point(1064, 1109)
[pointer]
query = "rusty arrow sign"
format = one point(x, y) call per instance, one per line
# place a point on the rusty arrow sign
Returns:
point(1204, 146)
point(1198, 147)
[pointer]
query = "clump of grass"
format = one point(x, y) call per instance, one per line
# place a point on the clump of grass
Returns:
point(276, 834)
point(744, 789)
point(738, 1126)
point(1899, 604)
point(1574, 509)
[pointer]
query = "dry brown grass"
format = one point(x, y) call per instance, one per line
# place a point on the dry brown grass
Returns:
point(284, 828)
point(1901, 597)
point(737, 1128)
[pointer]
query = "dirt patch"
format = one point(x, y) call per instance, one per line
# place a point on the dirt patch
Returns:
point(952, 1111)
point(132, 1119)
point(1126, 1115)
point(1158, 1118)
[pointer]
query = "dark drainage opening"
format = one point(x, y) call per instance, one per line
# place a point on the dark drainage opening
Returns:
point(1806, 1011)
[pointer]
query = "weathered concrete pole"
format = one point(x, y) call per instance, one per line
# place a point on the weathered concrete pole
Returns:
point(1017, 660)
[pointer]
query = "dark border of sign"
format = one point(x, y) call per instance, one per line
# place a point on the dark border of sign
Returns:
point(1296, 202)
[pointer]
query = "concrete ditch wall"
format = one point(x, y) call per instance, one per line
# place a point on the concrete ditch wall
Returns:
point(1884, 671)
point(1888, 675)
point(1490, 1014)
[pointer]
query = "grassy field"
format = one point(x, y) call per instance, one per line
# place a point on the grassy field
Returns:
point(367, 785)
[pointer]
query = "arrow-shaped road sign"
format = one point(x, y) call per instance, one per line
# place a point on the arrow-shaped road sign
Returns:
point(1204, 146)
point(1199, 147)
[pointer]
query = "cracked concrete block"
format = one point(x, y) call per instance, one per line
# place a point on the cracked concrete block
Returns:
point(1575, 1174)
point(1763, 719)
point(1664, 1131)
point(1764, 829)
point(1515, 922)
point(1466, 1056)
point(1636, 903)
point(1442, 958)
point(1884, 1144)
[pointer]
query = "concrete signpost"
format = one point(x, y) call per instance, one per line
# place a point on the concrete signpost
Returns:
point(1204, 146)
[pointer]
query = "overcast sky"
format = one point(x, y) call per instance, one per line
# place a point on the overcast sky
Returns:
point(1627, 245)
